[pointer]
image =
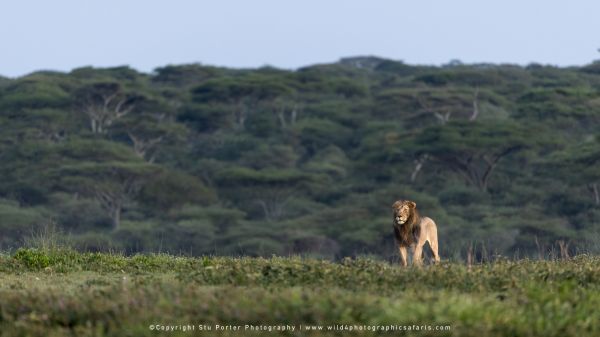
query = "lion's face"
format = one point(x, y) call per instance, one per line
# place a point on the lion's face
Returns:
point(402, 214)
point(402, 210)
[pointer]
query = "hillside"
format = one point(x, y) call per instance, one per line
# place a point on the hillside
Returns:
point(197, 159)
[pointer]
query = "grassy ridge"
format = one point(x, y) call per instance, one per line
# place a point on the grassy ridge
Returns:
point(64, 292)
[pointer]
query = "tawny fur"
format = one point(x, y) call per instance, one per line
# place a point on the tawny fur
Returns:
point(412, 231)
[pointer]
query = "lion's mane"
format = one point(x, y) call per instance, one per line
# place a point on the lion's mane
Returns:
point(408, 231)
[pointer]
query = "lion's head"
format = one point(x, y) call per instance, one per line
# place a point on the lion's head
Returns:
point(403, 209)
point(406, 218)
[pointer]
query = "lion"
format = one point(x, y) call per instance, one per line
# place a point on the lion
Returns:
point(413, 231)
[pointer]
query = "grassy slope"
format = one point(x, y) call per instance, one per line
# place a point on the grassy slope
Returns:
point(62, 292)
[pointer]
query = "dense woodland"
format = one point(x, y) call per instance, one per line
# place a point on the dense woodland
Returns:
point(195, 159)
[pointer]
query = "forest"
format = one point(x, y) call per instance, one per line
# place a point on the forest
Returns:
point(203, 160)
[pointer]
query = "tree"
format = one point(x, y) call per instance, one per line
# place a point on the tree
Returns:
point(316, 133)
point(103, 103)
point(242, 93)
point(147, 135)
point(16, 221)
point(34, 92)
point(112, 184)
point(270, 189)
point(582, 159)
point(170, 189)
point(184, 75)
point(470, 148)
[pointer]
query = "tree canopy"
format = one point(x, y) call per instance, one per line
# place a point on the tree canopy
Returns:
point(259, 161)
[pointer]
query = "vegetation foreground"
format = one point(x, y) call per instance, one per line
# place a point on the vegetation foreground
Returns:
point(62, 292)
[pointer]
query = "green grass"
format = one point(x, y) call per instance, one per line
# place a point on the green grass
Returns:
point(61, 292)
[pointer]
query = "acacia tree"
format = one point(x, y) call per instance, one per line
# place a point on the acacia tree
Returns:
point(287, 110)
point(151, 125)
point(587, 160)
point(270, 189)
point(442, 107)
point(583, 159)
point(103, 103)
point(147, 134)
point(442, 104)
point(112, 184)
point(470, 148)
point(243, 94)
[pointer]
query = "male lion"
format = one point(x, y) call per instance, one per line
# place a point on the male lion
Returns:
point(412, 231)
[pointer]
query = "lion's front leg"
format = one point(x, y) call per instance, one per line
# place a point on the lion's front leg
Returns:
point(403, 254)
point(418, 255)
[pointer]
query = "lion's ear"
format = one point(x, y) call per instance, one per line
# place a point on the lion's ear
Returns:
point(396, 204)
point(412, 204)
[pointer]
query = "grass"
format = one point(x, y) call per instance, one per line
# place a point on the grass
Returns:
point(62, 293)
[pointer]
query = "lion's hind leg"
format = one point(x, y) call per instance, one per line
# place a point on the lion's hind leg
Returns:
point(429, 229)
point(433, 243)
point(434, 248)
point(418, 254)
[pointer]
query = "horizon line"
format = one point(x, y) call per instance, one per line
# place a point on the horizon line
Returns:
point(454, 62)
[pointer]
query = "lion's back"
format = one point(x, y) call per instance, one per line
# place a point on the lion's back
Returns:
point(428, 226)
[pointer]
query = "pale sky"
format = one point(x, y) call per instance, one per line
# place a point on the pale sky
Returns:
point(145, 34)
